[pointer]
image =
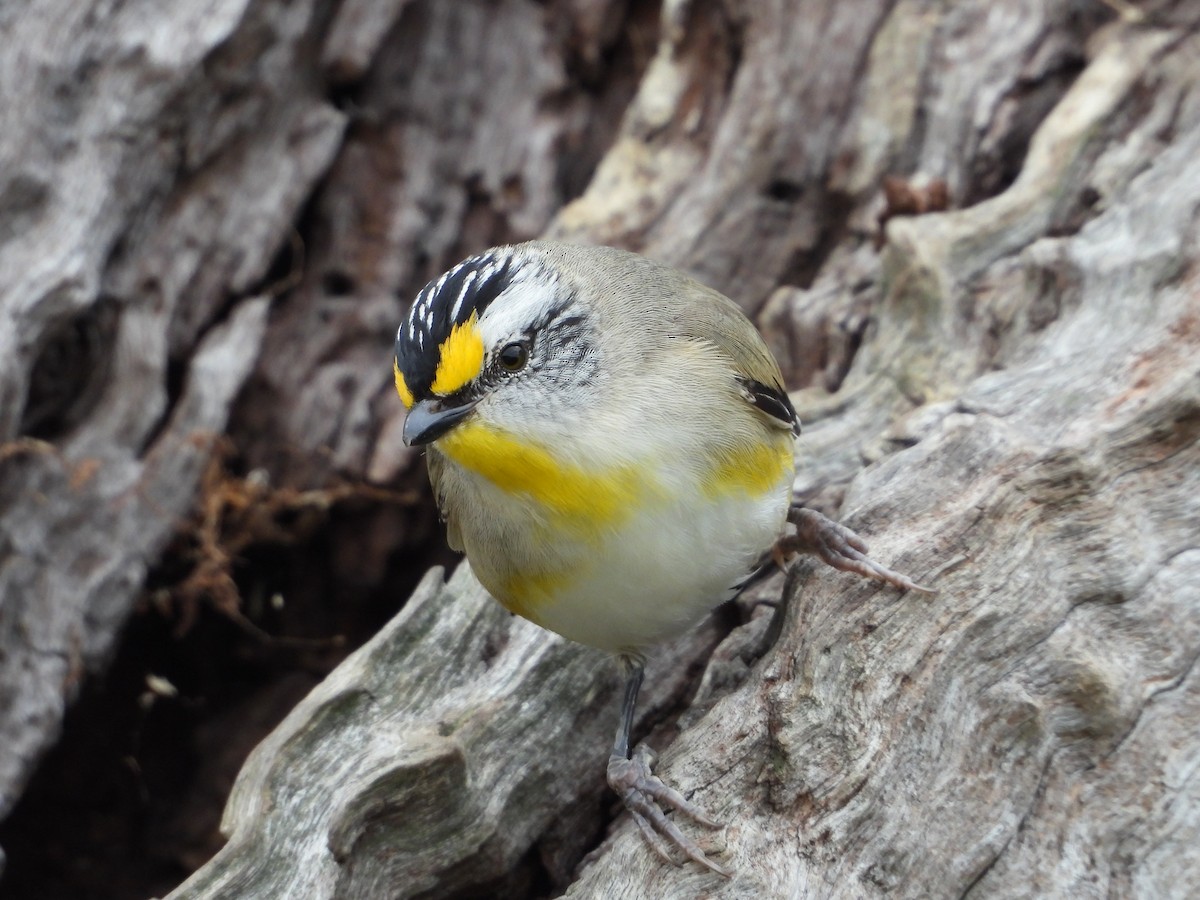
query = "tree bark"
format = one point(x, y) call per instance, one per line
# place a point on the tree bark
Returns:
point(970, 233)
point(133, 146)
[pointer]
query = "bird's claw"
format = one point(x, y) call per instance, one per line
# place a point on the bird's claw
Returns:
point(839, 547)
point(642, 792)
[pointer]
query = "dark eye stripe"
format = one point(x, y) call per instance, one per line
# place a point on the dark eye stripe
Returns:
point(569, 323)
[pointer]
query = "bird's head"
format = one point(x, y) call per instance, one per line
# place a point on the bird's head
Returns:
point(503, 336)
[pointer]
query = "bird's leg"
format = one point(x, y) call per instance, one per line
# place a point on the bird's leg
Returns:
point(642, 791)
point(838, 546)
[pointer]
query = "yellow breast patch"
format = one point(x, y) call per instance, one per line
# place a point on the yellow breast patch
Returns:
point(523, 593)
point(750, 469)
point(460, 358)
point(583, 501)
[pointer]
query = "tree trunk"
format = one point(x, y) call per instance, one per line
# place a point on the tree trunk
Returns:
point(970, 233)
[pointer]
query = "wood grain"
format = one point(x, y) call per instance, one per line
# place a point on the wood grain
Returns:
point(211, 220)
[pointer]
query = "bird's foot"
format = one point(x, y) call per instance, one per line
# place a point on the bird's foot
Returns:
point(644, 795)
point(838, 546)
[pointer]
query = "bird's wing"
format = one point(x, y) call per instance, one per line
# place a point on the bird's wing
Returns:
point(436, 463)
point(723, 325)
point(772, 400)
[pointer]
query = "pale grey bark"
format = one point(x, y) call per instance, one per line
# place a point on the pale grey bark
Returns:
point(1004, 400)
point(127, 158)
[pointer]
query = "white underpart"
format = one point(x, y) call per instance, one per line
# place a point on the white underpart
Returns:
point(665, 569)
point(651, 576)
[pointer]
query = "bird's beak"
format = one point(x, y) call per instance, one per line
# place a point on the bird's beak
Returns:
point(430, 419)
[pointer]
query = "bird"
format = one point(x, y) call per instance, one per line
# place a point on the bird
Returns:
point(611, 445)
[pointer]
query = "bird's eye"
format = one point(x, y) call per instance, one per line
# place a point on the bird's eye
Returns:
point(513, 357)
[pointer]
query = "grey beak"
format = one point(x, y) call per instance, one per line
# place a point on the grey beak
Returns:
point(429, 420)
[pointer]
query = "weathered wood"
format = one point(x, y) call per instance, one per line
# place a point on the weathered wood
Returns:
point(131, 145)
point(467, 130)
point(1004, 399)
point(472, 730)
point(1032, 729)
point(1028, 391)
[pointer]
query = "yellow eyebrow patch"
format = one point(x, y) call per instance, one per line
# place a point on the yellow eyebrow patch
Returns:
point(406, 396)
point(460, 358)
point(750, 469)
point(585, 501)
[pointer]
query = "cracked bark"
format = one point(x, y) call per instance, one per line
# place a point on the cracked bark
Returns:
point(1004, 400)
